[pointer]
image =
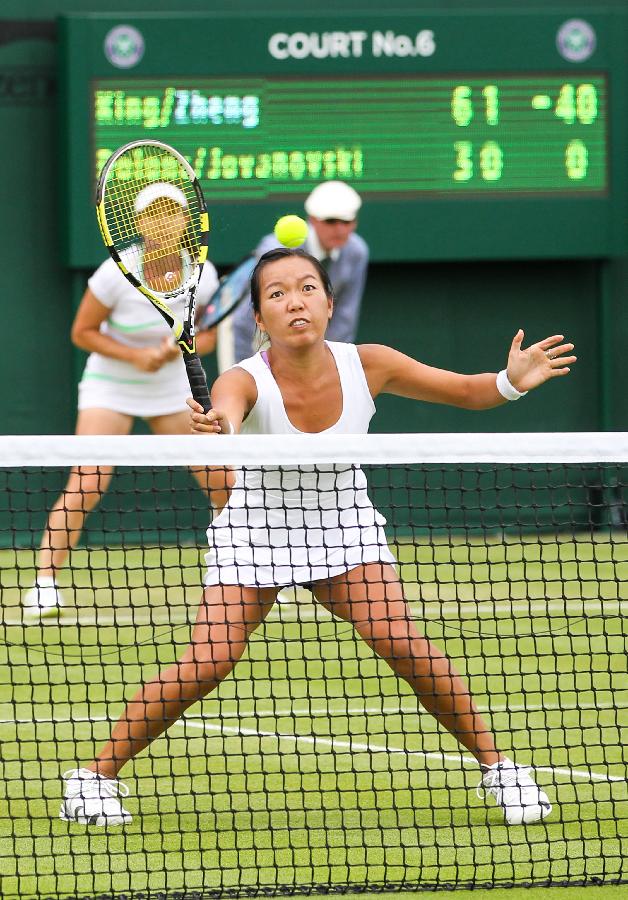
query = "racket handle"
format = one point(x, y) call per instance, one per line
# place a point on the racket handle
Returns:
point(198, 382)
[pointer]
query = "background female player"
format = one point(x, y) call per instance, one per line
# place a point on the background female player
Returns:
point(134, 370)
point(301, 386)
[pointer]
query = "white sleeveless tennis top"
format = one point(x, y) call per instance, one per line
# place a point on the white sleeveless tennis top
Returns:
point(294, 525)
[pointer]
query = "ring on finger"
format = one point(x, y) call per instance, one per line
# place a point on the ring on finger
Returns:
point(548, 353)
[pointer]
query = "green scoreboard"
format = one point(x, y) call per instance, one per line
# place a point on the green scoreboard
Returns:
point(476, 135)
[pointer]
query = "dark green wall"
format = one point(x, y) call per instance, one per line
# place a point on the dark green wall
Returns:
point(464, 316)
point(35, 362)
point(459, 316)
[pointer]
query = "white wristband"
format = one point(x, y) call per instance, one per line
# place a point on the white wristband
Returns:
point(506, 389)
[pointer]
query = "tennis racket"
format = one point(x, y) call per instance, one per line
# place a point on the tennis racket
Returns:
point(154, 223)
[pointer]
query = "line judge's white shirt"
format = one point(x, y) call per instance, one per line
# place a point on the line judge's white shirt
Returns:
point(294, 525)
point(134, 322)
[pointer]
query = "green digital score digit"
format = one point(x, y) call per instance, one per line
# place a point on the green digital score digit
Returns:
point(491, 161)
point(565, 108)
point(461, 105)
point(464, 161)
point(491, 96)
point(586, 103)
point(576, 160)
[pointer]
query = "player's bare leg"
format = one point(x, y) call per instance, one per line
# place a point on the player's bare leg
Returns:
point(371, 598)
point(66, 519)
point(226, 619)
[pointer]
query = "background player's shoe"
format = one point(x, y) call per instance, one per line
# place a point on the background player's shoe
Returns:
point(516, 792)
point(91, 799)
point(44, 600)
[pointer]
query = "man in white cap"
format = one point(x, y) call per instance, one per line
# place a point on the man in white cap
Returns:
point(332, 210)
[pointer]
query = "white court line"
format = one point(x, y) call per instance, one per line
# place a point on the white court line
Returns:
point(330, 710)
point(327, 710)
point(332, 743)
point(303, 611)
point(356, 747)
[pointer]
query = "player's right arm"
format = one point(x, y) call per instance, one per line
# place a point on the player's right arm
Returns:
point(390, 372)
point(87, 336)
point(233, 396)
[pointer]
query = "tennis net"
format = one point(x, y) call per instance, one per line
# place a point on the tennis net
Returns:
point(313, 767)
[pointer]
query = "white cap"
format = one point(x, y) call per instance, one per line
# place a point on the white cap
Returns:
point(156, 190)
point(333, 200)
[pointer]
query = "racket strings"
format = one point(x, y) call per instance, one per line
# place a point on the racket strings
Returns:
point(154, 218)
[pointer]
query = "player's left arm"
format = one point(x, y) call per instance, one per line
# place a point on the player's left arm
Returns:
point(390, 372)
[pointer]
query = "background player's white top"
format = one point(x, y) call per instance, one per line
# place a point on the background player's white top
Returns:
point(295, 525)
point(115, 384)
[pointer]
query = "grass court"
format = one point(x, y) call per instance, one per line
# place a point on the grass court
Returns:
point(312, 765)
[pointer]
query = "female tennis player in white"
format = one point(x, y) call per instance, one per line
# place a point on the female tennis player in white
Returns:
point(134, 370)
point(301, 385)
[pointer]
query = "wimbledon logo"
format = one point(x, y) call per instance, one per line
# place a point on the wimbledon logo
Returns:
point(124, 46)
point(576, 40)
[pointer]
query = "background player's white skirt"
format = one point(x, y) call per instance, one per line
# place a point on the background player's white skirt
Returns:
point(135, 393)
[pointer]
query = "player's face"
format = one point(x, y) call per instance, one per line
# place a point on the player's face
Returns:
point(162, 225)
point(332, 234)
point(294, 308)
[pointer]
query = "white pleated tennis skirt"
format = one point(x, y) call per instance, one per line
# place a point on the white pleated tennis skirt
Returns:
point(269, 538)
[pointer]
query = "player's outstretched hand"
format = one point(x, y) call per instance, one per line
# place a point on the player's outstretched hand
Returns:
point(212, 422)
point(547, 359)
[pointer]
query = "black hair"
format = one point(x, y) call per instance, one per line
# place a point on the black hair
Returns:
point(284, 253)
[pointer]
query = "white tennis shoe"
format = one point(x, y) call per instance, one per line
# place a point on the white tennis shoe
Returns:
point(44, 600)
point(91, 799)
point(518, 794)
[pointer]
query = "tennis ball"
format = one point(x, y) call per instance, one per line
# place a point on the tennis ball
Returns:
point(291, 231)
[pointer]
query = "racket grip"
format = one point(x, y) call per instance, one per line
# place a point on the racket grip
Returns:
point(197, 379)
